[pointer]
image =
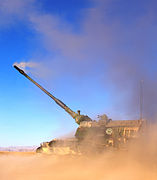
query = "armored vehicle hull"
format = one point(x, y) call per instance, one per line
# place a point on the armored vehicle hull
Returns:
point(96, 138)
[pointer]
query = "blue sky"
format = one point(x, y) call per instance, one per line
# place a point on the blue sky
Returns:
point(91, 54)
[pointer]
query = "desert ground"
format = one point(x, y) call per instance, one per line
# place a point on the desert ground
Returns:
point(138, 163)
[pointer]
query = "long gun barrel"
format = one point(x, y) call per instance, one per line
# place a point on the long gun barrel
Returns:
point(60, 103)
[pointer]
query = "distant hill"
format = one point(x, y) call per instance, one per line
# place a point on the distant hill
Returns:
point(18, 148)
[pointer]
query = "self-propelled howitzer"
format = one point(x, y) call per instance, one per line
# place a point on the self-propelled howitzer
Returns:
point(77, 116)
point(91, 135)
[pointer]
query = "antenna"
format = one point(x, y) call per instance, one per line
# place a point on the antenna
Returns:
point(141, 99)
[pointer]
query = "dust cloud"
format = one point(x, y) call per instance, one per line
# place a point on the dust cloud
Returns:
point(139, 162)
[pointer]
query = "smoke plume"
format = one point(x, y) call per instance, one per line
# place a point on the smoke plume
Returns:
point(115, 44)
point(25, 65)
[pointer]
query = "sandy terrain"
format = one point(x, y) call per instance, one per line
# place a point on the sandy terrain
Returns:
point(109, 166)
point(139, 162)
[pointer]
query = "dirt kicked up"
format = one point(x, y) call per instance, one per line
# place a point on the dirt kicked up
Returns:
point(139, 163)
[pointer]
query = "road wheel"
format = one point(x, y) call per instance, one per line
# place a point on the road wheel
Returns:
point(39, 150)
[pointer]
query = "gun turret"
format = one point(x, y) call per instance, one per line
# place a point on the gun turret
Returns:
point(78, 118)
